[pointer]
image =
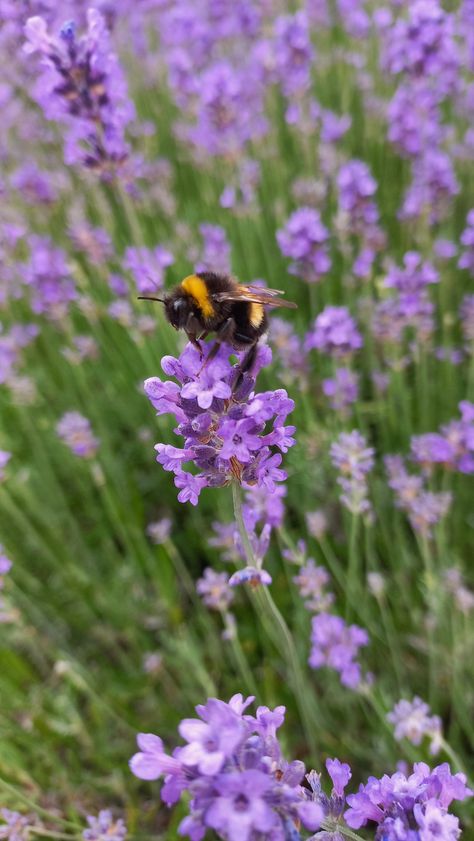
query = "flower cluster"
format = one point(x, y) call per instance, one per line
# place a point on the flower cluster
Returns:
point(342, 389)
point(81, 84)
point(410, 807)
point(230, 433)
point(452, 447)
point(311, 582)
point(147, 267)
point(334, 332)
point(47, 275)
point(336, 645)
point(412, 720)
point(410, 307)
point(424, 508)
point(354, 460)
point(75, 430)
point(104, 827)
point(234, 771)
point(304, 239)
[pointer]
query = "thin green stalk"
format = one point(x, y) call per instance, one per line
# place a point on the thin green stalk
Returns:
point(38, 810)
point(278, 629)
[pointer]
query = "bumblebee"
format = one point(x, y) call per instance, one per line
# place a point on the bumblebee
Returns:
point(216, 303)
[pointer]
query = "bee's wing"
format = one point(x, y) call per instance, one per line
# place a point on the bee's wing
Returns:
point(256, 295)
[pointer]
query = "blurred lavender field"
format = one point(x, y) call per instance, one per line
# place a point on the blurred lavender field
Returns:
point(292, 562)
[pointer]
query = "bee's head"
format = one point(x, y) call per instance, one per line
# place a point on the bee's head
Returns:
point(177, 308)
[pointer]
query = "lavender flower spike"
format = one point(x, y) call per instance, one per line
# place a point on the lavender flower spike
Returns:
point(229, 436)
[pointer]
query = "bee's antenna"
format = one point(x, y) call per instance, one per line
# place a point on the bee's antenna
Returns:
point(147, 298)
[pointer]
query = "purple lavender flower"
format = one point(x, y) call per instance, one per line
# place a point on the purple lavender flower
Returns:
point(293, 52)
point(94, 242)
point(354, 460)
point(104, 827)
point(311, 582)
point(424, 508)
point(47, 274)
point(412, 721)
point(147, 267)
point(334, 332)
point(467, 315)
point(75, 430)
point(160, 530)
point(234, 770)
point(342, 389)
point(16, 826)
point(455, 585)
point(466, 260)
point(5, 457)
point(432, 189)
point(304, 239)
point(289, 350)
point(250, 575)
point(214, 589)
point(82, 86)
point(336, 645)
point(5, 566)
point(398, 803)
point(357, 188)
point(424, 46)
point(215, 253)
point(413, 277)
point(227, 436)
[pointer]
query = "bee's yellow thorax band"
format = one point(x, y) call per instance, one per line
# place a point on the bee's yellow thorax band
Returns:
point(196, 287)
point(256, 314)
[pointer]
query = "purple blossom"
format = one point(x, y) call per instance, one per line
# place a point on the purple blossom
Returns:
point(424, 508)
point(235, 773)
point(215, 253)
point(311, 582)
point(334, 332)
point(81, 85)
point(467, 315)
point(250, 575)
point(104, 828)
point(432, 189)
point(5, 457)
point(94, 242)
point(412, 721)
point(147, 267)
point(16, 827)
point(304, 239)
point(159, 530)
point(455, 585)
point(466, 260)
point(342, 389)
point(357, 187)
point(293, 52)
point(48, 276)
point(75, 430)
point(229, 436)
point(413, 277)
point(396, 803)
point(351, 455)
point(336, 645)
point(214, 589)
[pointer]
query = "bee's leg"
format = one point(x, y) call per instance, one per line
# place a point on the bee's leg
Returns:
point(245, 366)
point(225, 333)
point(192, 338)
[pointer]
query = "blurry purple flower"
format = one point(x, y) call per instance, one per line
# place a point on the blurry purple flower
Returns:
point(81, 85)
point(151, 762)
point(94, 242)
point(413, 277)
point(104, 828)
point(215, 253)
point(336, 645)
point(342, 389)
point(455, 585)
point(311, 582)
point(75, 430)
point(432, 188)
point(214, 589)
point(36, 186)
point(241, 809)
point(159, 531)
point(294, 53)
point(394, 802)
point(424, 508)
point(357, 188)
point(334, 332)
point(48, 276)
point(466, 260)
point(412, 721)
point(250, 575)
point(16, 827)
point(351, 455)
point(5, 457)
point(147, 267)
point(304, 239)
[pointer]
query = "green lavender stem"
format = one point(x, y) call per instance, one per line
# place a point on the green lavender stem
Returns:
point(278, 630)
